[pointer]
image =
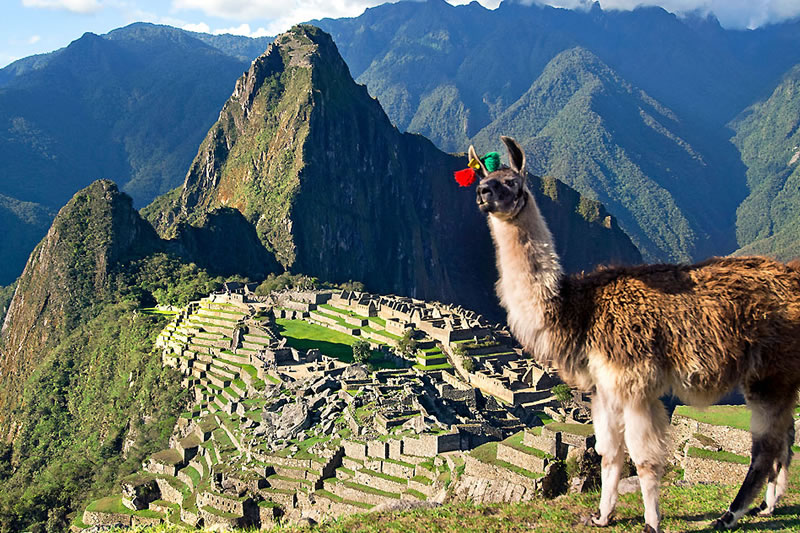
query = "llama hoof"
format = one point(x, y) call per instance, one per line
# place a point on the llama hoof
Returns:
point(726, 521)
point(595, 521)
point(649, 529)
point(760, 510)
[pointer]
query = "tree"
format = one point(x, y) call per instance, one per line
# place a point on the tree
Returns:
point(407, 345)
point(361, 351)
point(563, 394)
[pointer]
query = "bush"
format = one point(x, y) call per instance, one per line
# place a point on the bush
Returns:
point(469, 364)
point(361, 351)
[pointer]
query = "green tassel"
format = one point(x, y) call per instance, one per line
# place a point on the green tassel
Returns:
point(491, 161)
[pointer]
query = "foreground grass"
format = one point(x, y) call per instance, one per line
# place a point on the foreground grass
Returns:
point(689, 508)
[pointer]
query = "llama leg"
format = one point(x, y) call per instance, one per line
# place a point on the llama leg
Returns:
point(779, 478)
point(767, 458)
point(645, 435)
point(607, 420)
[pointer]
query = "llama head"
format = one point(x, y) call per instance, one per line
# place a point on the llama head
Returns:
point(503, 193)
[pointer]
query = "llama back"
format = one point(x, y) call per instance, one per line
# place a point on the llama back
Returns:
point(701, 327)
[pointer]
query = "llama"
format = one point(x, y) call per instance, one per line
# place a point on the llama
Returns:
point(632, 334)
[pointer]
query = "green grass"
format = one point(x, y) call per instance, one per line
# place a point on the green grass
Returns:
point(302, 452)
point(417, 494)
point(370, 490)
point(515, 441)
point(487, 453)
point(378, 321)
point(735, 416)
point(387, 477)
point(304, 336)
point(109, 504)
point(724, 456)
point(343, 311)
point(333, 497)
point(193, 474)
point(583, 430)
point(431, 368)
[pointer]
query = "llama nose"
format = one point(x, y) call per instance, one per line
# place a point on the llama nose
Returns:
point(485, 192)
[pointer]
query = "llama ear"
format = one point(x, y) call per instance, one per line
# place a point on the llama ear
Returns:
point(473, 156)
point(515, 155)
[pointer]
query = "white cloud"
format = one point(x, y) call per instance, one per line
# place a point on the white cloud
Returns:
point(731, 13)
point(76, 6)
point(200, 27)
point(279, 15)
point(33, 39)
point(243, 29)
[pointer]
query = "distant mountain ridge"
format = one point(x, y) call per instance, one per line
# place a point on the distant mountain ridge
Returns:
point(583, 123)
point(129, 106)
point(450, 72)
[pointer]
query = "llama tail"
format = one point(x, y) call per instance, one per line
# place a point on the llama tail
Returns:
point(794, 264)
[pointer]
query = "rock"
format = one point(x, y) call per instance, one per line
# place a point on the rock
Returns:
point(588, 478)
point(294, 418)
point(629, 485)
point(306, 521)
point(554, 482)
point(325, 383)
point(275, 407)
point(355, 372)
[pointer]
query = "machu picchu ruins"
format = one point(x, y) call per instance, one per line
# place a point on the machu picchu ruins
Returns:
point(285, 426)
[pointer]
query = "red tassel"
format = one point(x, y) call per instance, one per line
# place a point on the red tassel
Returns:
point(465, 177)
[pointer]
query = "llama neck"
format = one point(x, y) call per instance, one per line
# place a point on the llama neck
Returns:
point(530, 277)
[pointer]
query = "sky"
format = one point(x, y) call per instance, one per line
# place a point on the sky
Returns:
point(30, 27)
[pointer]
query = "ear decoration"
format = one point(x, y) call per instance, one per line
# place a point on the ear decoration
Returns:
point(483, 166)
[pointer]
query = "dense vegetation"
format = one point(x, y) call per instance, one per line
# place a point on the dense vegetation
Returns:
point(99, 401)
point(100, 389)
point(767, 136)
point(5, 299)
point(85, 398)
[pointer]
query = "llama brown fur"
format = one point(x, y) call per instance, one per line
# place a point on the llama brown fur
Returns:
point(632, 334)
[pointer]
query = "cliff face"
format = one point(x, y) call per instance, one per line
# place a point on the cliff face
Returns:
point(67, 277)
point(336, 191)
